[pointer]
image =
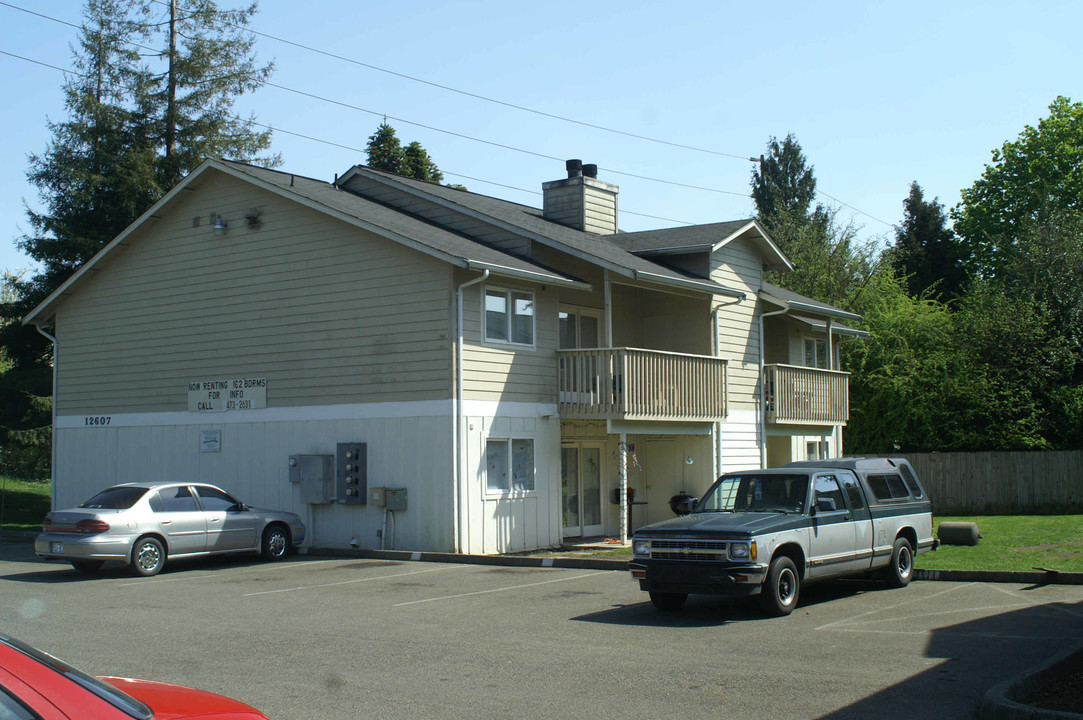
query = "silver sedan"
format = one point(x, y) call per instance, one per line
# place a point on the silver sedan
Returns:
point(142, 524)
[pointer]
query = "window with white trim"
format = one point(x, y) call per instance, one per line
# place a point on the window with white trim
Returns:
point(509, 465)
point(509, 316)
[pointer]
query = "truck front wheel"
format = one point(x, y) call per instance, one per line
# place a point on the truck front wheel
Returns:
point(780, 590)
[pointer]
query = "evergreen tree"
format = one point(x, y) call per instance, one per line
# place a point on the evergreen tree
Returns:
point(783, 183)
point(926, 251)
point(384, 150)
point(417, 164)
point(133, 130)
point(386, 153)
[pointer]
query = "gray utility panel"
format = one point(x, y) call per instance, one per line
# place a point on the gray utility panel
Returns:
point(351, 473)
point(315, 474)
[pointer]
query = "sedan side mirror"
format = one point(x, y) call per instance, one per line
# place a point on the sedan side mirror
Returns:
point(239, 507)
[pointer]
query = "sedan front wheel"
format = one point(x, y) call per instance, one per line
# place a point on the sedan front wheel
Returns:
point(276, 542)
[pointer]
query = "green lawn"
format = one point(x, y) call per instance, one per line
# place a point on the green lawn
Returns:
point(24, 503)
point(1008, 543)
point(1014, 542)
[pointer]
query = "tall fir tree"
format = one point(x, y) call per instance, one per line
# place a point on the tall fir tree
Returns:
point(134, 128)
point(385, 152)
point(926, 250)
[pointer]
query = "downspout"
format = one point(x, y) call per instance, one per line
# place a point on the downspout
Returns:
point(762, 404)
point(716, 350)
point(52, 440)
point(456, 436)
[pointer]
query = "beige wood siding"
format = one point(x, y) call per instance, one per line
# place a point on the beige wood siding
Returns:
point(739, 265)
point(440, 215)
point(507, 372)
point(326, 312)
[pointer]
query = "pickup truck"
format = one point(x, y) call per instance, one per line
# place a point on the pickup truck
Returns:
point(768, 532)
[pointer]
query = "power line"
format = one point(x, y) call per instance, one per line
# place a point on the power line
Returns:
point(477, 96)
point(468, 94)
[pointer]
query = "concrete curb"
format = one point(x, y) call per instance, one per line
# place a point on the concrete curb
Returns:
point(1002, 702)
point(579, 563)
point(1037, 577)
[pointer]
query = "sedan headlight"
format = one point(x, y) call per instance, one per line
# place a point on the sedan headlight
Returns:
point(641, 548)
point(739, 551)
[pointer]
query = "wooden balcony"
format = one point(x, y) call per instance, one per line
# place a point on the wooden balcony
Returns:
point(634, 384)
point(795, 395)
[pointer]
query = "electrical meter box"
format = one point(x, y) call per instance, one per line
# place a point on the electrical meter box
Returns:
point(395, 498)
point(315, 474)
point(351, 473)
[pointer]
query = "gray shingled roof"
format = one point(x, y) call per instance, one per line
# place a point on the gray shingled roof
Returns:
point(701, 237)
point(439, 239)
point(805, 304)
point(529, 221)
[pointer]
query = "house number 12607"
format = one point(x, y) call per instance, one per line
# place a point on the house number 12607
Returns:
point(97, 420)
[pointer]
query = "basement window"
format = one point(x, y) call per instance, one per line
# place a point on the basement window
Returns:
point(509, 316)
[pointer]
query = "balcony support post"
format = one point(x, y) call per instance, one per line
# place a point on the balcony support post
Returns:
point(763, 387)
point(622, 473)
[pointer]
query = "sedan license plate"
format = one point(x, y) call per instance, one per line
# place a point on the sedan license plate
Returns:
point(56, 547)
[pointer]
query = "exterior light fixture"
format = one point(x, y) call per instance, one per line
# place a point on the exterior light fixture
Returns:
point(220, 226)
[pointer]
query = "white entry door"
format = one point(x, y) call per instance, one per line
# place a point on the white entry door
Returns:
point(581, 489)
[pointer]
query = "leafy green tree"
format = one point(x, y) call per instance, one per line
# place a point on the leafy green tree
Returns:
point(926, 251)
point(910, 384)
point(1039, 172)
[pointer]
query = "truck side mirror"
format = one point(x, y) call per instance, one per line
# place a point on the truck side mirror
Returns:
point(685, 507)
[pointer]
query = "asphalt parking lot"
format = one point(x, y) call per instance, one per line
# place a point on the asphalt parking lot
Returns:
point(318, 637)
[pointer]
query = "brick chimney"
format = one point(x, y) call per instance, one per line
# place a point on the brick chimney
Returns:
point(582, 201)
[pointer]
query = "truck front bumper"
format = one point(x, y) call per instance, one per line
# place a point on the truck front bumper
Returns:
point(698, 578)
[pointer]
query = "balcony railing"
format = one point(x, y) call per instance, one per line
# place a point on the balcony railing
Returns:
point(797, 395)
point(634, 384)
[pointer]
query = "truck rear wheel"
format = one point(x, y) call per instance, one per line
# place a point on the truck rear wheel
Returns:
point(778, 596)
point(668, 601)
point(901, 568)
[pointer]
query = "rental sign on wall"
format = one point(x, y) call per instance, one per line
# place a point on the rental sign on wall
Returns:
point(225, 394)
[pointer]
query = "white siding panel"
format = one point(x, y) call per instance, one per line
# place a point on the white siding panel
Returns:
point(403, 452)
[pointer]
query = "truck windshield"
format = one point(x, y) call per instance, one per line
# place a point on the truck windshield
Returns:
point(756, 493)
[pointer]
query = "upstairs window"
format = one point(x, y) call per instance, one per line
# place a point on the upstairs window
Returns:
point(816, 353)
point(509, 316)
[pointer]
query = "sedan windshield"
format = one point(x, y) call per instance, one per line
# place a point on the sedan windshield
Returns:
point(756, 493)
point(116, 498)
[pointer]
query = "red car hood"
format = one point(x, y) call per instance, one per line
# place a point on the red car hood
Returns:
point(173, 702)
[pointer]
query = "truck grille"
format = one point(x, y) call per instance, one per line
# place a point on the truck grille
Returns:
point(689, 550)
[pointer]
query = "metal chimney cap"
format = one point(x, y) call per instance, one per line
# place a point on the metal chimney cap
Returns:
point(574, 167)
point(590, 171)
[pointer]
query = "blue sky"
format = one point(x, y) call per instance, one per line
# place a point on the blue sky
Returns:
point(878, 94)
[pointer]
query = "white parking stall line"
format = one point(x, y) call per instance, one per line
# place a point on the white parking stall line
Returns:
point(503, 589)
point(210, 574)
point(350, 582)
point(838, 624)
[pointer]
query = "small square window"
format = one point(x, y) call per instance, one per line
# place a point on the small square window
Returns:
point(509, 465)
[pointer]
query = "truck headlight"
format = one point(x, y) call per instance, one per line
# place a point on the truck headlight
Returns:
point(739, 551)
point(641, 548)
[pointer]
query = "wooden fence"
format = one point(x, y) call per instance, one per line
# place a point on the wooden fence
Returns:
point(1002, 483)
